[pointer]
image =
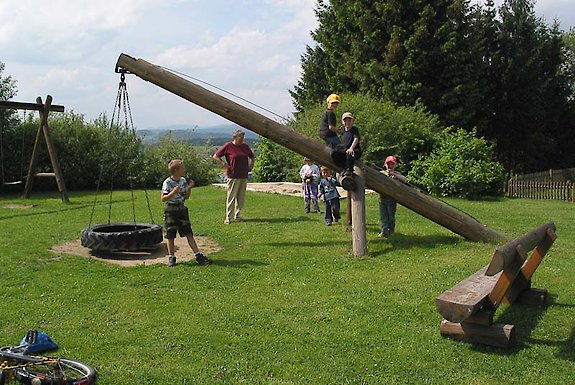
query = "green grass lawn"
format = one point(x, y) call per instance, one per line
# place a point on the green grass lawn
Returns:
point(284, 301)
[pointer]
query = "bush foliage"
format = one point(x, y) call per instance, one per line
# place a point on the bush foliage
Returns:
point(276, 163)
point(460, 165)
point(88, 150)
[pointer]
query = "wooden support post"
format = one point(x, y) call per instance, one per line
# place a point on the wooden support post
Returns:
point(348, 218)
point(35, 155)
point(45, 131)
point(52, 150)
point(357, 198)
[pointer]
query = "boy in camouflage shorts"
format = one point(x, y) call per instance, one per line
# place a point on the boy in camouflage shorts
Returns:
point(175, 190)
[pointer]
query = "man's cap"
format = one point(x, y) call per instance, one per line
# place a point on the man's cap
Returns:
point(238, 132)
point(333, 98)
point(347, 115)
point(391, 158)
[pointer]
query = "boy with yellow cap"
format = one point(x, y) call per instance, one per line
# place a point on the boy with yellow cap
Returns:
point(328, 130)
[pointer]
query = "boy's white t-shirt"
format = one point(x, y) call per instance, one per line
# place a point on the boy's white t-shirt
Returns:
point(169, 185)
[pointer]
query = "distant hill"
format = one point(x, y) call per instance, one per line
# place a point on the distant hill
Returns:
point(217, 135)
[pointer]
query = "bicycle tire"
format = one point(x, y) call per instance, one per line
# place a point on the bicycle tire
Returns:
point(65, 372)
point(121, 236)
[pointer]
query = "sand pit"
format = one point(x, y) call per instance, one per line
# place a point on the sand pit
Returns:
point(18, 207)
point(156, 255)
point(284, 188)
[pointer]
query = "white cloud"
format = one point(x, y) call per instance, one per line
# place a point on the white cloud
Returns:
point(231, 49)
point(68, 49)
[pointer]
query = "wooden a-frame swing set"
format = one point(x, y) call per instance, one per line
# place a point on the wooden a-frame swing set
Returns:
point(43, 131)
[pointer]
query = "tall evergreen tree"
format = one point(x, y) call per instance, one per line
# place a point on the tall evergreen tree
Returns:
point(531, 93)
point(403, 51)
point(501, 70)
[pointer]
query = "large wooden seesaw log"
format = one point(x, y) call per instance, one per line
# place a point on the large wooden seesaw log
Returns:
point(422, 204)
point(469, 306)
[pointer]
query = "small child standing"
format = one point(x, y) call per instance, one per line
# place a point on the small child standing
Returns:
point(175, 190)
point(328, 189)
point(387, 205)
point(309, 173)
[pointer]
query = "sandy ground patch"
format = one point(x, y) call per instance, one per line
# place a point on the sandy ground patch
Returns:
point(19, 207)
point(150, 256)
point(284, 188)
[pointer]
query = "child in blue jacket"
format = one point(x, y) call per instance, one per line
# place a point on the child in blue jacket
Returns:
point(328, 189)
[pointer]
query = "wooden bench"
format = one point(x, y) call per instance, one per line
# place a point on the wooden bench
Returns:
point(468, 307)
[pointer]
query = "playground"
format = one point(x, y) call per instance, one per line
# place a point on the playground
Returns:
point(285, 301)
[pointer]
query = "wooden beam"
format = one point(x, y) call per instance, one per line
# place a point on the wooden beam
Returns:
point(433, 209)
point(505, 254)
point(498, 335)
point(10, 105)
point(35, 153)
point(467, 297)
point(507, 277)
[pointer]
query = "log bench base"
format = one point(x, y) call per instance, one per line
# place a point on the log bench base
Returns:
point(498, 335)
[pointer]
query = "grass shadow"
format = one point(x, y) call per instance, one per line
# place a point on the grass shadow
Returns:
point(307, 244)
point(399, 241)
point(301, 218)
point(67, 207)
point(525, 318)
point(566, 347)
point(235, 263)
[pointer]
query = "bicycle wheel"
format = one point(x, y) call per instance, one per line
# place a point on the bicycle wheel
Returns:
point(63, 372)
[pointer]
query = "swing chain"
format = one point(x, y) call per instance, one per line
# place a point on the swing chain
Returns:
point(122, 105)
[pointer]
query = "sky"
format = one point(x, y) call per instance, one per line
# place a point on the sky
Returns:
point(69, 48)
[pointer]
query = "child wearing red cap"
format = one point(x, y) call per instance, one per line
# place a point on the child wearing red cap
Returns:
point(387, 205)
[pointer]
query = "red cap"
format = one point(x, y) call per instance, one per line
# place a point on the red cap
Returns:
point(391, 158)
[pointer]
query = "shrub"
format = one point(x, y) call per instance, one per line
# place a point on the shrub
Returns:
point(460, 165)
point(87, 149)
point(199, 164)
point(276, 163)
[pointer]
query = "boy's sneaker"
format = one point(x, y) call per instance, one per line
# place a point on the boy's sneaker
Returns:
point(172, 261)
point(201, 259)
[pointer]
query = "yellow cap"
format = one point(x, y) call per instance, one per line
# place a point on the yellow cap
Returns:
point(333, 98)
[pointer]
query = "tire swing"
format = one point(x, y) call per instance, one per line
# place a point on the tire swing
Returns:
point(121, 236)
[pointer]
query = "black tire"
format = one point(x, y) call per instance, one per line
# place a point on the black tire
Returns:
point(2, 378)
point(121, 236)
point(64, 372)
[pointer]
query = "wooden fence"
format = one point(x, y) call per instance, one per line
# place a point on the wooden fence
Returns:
point(564, 191)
